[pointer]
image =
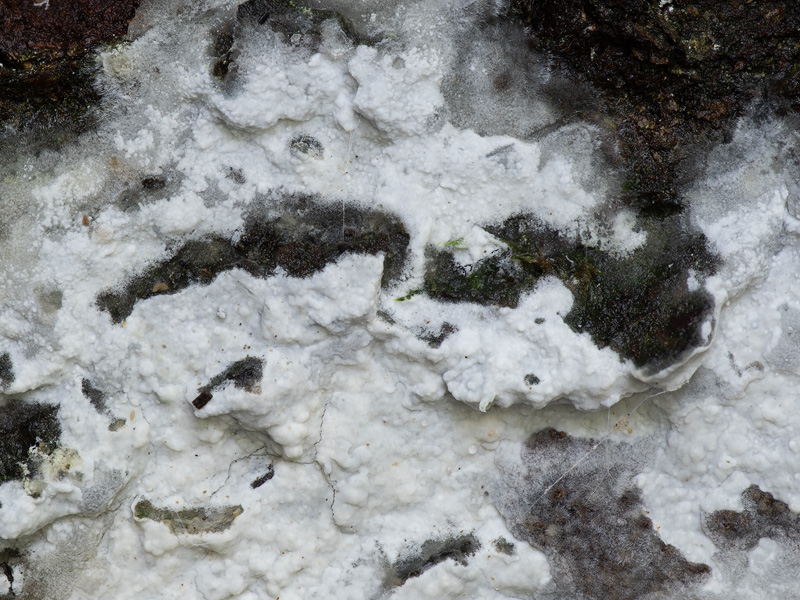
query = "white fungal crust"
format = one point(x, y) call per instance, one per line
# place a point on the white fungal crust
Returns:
point(391, 423)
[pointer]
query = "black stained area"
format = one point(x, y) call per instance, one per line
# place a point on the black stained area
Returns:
point(244, 374)
point(6, 369)
point(674, 76)
point(432, 552)
point(302, 240)
point(763, 516)
point(586, 515)
point(23, 426)
point(96, 397)
point(262, 479)
point(638, 304)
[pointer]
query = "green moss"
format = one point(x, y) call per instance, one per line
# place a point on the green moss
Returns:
point(408, 296)
point(302, 240)
point(639, 305)
point(190, 521)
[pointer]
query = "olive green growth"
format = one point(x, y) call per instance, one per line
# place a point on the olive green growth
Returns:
point(190, 521)
point(408, 296)
point(301, 239)
point(638, 304)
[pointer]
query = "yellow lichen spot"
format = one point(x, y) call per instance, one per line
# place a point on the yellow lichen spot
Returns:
point(132, 416)
point(160, 287)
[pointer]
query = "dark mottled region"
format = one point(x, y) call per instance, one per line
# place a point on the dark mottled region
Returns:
point(46, 59)
point(189, 521)
point(296, 24)
point(96, 396)
point(262, 479)
point(763, 516)
point(581, 507)
point(6, 369)
point(674, 76)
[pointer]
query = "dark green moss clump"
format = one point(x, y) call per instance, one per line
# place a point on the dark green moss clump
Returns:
point(244, 374)
point(47, 66)
point(24, 426)
point(302, 240)
point(585, 513)
point(675, 75)
point(191, 521)
point(430, 554)
point(639, 305)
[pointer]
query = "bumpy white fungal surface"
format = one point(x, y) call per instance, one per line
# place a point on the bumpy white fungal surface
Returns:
point(378, 441)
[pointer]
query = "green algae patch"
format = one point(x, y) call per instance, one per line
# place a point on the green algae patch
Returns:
point(27, 431)
point(638, 304)
point(191, 521)
point(303, 239)
point(674, 76)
